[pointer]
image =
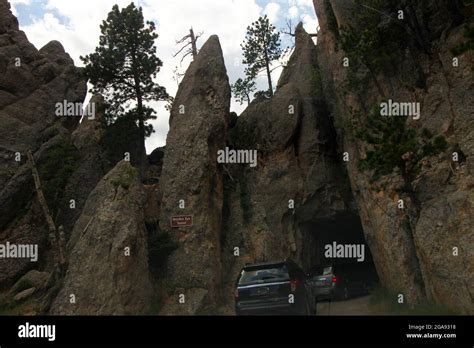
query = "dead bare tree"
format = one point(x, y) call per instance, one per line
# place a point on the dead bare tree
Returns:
point(290, 29)
point(189, 46)
point(56, 235)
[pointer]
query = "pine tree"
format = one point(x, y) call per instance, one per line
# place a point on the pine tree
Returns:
point(260, 48)
point(242, 90)
point(392, 144)
point(123, 67)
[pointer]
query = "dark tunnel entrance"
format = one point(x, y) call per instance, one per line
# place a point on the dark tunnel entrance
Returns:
point(337, 250)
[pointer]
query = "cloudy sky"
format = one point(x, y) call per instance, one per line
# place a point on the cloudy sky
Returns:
point(76, 25)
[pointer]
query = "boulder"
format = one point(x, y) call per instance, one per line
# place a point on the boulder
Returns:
point(25, 294)
point(108, 253)
point(32, 279)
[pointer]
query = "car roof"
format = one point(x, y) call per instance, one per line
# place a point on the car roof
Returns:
point(267, 264)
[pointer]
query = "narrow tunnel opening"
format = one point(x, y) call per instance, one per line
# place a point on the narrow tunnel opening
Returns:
point(337, 252)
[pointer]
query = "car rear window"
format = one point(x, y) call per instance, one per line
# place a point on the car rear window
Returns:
point(263, 275)
point(327, 270)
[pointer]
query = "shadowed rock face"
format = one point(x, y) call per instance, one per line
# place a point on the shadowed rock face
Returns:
point(31, 83)
point(415, 259)
point(198, 127)
point(297, 160)
point(103, 277)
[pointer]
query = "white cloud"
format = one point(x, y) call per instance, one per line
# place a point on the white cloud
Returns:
point(22, 2)
point(293, 12)
point(310, 23)
point(305, 3)
point(272, 10)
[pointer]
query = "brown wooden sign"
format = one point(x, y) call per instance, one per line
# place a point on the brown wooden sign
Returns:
point(181, 221)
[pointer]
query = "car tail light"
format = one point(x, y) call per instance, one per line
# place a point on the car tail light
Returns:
point(334, 279)
point(236, 293)
point(294, 284)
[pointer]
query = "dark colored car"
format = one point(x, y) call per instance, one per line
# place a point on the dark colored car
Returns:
point(276, 288)
point(340, 282)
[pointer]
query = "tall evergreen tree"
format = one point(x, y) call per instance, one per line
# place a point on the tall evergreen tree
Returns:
point(260, 48)
point(123, 67)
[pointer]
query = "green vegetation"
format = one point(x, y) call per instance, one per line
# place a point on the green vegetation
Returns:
point(466, 45)
point(384, 301)
point(156, 304)
point(372, 42)
point(8, 306)
point(242, 89)
point(332, 22)
point(120, 137)
point(260, 48)
point(391, 144)
point(125, 178)
point(123, 67)
point(55, 170)
point(316, 81)
point(468, 34)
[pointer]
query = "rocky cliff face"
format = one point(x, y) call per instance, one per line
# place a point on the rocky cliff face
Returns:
point(302, 195)
point(273, 210)
point(31, 83)
point(414, 252)
point(241, 212)
point(71, 158)
point(304, 190)
point(192, 181)
point(108, 251)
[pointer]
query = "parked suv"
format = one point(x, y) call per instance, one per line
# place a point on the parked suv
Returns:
point(273, 288)
point(340, 282)
point(325, 283)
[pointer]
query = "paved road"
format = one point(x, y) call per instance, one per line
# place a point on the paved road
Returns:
point(356, 306)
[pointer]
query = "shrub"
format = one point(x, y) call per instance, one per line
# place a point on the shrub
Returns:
point(391, 144)
point(55, 170)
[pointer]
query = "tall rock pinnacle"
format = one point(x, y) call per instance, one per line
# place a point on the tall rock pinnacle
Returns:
point(191, 178)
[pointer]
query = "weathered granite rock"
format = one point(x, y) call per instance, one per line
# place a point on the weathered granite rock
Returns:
point(191, 173)
point(91, 164)
point(108, 254)
point(297, 161)
point(32, 279)
point(414, 258)
point(25, 294)
point(31, 83)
